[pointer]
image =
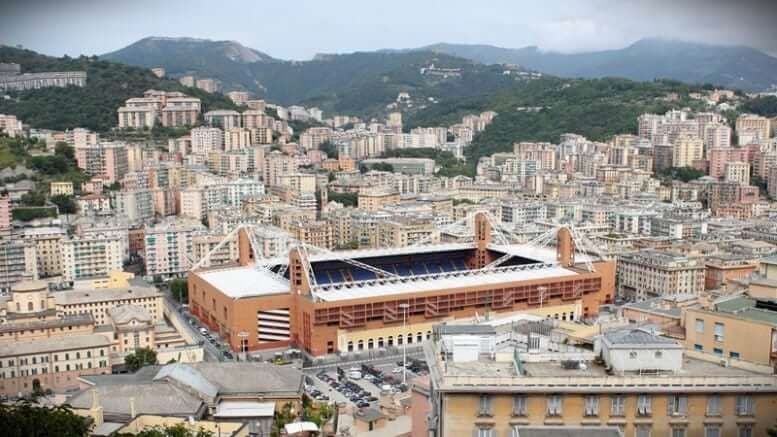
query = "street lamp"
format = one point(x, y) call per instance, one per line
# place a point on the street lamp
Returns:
point(404, 307)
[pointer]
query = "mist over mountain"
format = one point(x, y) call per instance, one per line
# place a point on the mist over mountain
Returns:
point(647, 59)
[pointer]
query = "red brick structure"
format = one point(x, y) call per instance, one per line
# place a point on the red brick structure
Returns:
point(312, 301)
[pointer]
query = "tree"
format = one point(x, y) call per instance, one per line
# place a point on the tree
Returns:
point(66, 204)
point(179, 289)
point(33, 198)
point(282, 417)
point(63, 149)
point(141, 358)
point(684, 174)
point(179, 430)
point(27, 420)
point(347, 199)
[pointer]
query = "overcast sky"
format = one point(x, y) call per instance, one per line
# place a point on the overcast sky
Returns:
point(299, 29)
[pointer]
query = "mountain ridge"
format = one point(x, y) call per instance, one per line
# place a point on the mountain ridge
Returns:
point(735, 66)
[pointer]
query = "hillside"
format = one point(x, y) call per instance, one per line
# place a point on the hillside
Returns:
point(94, 106)
point(731, 67)
point(359, 83)
point(595, 108)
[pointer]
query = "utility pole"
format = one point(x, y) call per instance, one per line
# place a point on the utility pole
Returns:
point(404, 308)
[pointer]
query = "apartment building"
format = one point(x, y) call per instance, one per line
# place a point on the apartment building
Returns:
point(238, 97)
point(407, 231)
point(317, 233)
point(314, 137)
point(757, 126)
point(737, 171)
point(373, 199)
point(653, 273)
point(61, 189)
point(98, 303)
point(136, 205)
point(54, 363)
point(47, 241)
point(168, 247)
point(718, 330)
point(93, 255)
point(277, 165)
point(206, 139)
point(237, 138)
point(223, 118)
point(633, 380)
point(686, 150)
point(106, 160)
point(18, 262)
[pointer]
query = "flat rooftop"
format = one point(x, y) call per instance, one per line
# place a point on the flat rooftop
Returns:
point(245, 281)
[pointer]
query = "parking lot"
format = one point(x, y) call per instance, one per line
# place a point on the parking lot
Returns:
point(361, 385)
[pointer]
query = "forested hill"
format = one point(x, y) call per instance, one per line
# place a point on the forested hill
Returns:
point(94, 106)
point(360, 83)
point(544, 109)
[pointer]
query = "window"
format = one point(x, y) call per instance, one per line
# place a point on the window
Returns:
point(718, 351)
point(617, 405)
point(698, 348)
point(485, 405)
point(644, 405)
point(360, 345)
point(713, 405)
point(677, 405)
point(484, 432)
point(632, 355)
point(720, 330)
point(744, 405)
point(678, 432)
point(519, 405)
point(712, 431)
point(554, 405)
point(350, 346)
point(733, 355)
point(642, 431)
point(700, 326)
point(659, 354)
point(745, 431)
point(592, 405)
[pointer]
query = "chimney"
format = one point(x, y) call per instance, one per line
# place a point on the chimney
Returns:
point(96, 411)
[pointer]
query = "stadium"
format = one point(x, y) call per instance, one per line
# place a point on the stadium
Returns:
point(328, 302)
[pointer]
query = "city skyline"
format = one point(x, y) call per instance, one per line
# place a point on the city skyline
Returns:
point(558, 25)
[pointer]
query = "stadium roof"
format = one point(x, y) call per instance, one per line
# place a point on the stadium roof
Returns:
point(245, 281)
point(472, 278)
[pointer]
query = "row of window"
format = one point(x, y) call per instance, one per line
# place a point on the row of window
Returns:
point(389, 341)
point(45, 358)
point(677, 405)
point(744, 430)
point(45, 370)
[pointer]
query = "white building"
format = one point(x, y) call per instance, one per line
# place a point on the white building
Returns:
point(90, 256)
point(206, 139)
point(168, 247)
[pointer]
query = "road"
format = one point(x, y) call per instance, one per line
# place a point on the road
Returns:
point(213, 349)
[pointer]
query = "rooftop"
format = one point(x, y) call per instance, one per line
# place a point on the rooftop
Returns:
point(246, 281)
point(53, 344)
point(137, 289)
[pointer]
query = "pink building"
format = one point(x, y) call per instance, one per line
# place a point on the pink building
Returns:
point(718, 158)
point(5, 214)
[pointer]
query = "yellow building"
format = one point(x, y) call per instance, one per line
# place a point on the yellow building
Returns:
point(635, 381)
point(375, 199)
point(718, 331)
point(61, 188)
point(686, 150)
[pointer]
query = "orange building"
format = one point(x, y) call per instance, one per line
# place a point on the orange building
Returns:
point(364, 299)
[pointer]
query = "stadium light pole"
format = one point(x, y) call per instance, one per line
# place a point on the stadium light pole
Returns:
point(404, 308)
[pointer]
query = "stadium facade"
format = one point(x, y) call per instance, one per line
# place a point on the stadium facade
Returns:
point(363, 299)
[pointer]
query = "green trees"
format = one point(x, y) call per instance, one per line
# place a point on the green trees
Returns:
point(93, 106)
point(65, 204)
point(179, 289)
point(347, 199)
point(142, 357)
point(179, 430)
point(28, 420)
point(684, 174)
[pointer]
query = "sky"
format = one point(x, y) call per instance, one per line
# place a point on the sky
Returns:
point(299, 29)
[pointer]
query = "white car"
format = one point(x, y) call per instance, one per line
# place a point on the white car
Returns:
point(397, 370)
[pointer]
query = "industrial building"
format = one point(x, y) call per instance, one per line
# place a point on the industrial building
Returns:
point(329, 302)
